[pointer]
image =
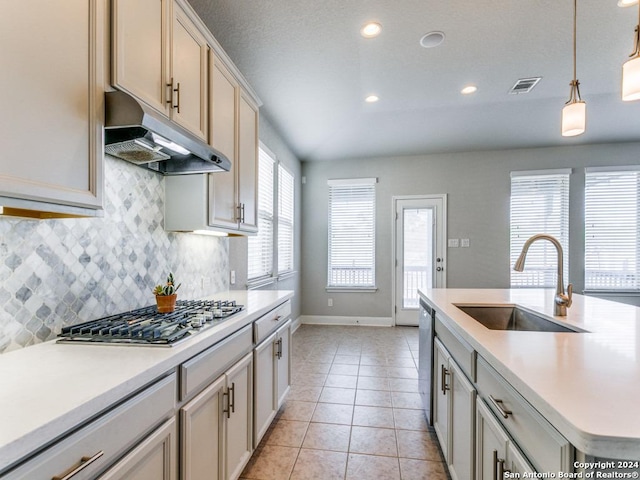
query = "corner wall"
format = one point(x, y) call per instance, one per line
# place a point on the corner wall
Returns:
point(238, 245)
point(478, 189)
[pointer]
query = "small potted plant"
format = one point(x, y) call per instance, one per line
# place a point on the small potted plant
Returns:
point(166, 295)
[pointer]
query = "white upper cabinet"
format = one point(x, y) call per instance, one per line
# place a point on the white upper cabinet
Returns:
point(223, 106)
point(248, 164)
point(140, 42)
point(160, 57)
point(52, 111)
point(188, 75)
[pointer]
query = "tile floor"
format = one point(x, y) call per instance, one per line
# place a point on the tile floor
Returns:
point(353, 411)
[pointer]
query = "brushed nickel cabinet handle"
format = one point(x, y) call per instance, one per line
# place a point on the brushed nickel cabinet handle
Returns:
point(500, 406)
point(228, 409)
point(177, 90)
point(443, 379)
point(170, 99)
point(81, 465)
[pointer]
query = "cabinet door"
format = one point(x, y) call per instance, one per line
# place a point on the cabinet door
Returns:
point(52, 107)
point(248, 164)
point(491, 443)
point(264, 408)
point(517, 463)
point(239, 417)
point(140, 43)
point(223, 109)
point(461, 425)
point(283, 363)
point(202, 434)
point(189, 71)
point(155, 457)
point(441, 396)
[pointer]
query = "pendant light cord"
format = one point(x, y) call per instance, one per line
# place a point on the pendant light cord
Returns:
point(575, 21)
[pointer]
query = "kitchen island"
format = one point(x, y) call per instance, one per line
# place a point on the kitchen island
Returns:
point(585, 384)
point(50, 389)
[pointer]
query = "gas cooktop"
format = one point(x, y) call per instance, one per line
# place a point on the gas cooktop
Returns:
point(145, 326)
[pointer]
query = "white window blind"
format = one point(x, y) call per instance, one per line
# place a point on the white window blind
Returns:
point(352, 205)
point(539, 204)
point(285, 220)
point(260, 255)
point(612, 229)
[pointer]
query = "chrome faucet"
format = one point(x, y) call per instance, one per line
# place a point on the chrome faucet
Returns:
point(562, 300)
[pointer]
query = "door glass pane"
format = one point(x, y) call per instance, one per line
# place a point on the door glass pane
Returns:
point(417, 264)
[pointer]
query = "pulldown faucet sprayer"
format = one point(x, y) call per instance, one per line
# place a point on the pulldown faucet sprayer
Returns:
point(562, 300)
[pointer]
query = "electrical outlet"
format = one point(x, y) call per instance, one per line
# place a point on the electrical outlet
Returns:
point(205, 282)
point(232, 280)
point(453, 243)
point(464, 242)
point(330, 302)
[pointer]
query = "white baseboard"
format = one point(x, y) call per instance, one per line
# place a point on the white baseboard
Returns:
point(296, 324)
point(358, 321)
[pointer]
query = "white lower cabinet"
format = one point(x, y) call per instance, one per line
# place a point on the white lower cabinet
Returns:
point(129, 432)
point(454, 414)
point(497, 455)
point(155, 458)
point(216, 426)
point(272, 378)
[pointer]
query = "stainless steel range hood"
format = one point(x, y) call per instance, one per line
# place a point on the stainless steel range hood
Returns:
point(139, 134)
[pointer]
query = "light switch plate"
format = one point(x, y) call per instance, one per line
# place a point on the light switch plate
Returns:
point(453, 243)
point(464, 242)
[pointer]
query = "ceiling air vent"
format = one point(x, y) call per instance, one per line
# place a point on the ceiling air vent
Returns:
point(524, 85)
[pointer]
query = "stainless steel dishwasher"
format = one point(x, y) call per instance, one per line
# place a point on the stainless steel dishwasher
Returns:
point(426, 321)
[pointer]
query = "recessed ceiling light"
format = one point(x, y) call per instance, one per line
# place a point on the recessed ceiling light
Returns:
point(627, 3)
point(370, 30)
point(372, 99)
point(432, 39)
point(469, 89)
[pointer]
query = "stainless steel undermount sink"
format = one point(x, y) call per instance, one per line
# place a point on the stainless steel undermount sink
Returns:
point(513, 317)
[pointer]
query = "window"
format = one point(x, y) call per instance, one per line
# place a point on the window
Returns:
point(261, 245)
point(275, 222)
point(612, 229)
point(352, 205)
point(285, 220)
point(539, 204)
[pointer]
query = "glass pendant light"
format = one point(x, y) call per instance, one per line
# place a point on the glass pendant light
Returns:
point(574, 113)
point(631, 70)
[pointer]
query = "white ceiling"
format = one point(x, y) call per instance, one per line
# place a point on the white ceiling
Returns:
point(312, 69)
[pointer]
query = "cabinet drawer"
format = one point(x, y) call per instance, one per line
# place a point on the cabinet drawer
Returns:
point(204, 368)
point(270, 322)
point(97, 445)
point(464, 353)
point(539, 440)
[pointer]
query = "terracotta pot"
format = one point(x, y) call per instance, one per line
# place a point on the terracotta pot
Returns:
point(166, 303)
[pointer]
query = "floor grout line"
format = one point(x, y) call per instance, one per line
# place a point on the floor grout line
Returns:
point(306, 342)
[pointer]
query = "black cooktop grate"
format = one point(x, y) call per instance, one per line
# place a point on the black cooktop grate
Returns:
point(145, 326)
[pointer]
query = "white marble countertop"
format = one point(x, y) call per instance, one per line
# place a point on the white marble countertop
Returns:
point(586, 384)
point(49, 388)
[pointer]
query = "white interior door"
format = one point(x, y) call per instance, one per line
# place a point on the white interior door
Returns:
point(419, 239)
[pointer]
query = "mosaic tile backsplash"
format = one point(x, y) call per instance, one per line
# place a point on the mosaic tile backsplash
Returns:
point(55, 273)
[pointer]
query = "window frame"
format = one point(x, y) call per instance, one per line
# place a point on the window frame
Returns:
point(337, 186)
point(275, 274)
point(600, 174)
point(285, 222)
point(552, 197)
point(265, 276)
